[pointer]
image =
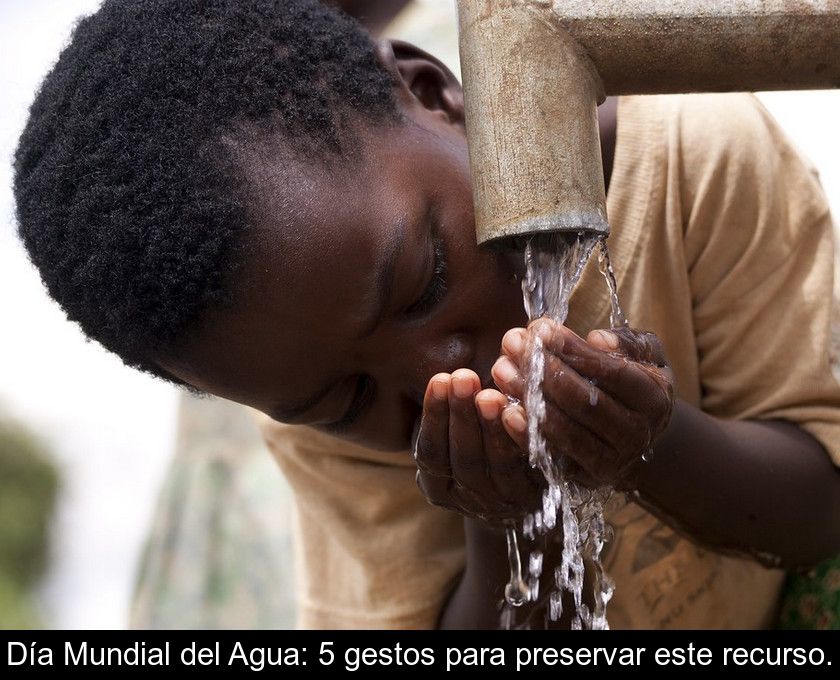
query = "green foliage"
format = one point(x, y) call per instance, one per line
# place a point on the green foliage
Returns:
point(17, 610)
point(812, 601)
point(29, 485)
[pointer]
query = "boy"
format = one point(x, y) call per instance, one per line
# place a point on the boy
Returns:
point(256, 201)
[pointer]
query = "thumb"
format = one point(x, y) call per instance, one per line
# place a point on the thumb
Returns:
point(636, 345)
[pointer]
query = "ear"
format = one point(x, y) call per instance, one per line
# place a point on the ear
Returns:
point(422, 80)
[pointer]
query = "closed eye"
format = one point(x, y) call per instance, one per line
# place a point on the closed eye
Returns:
point(435, 290)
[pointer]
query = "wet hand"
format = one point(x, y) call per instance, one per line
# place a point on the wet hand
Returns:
point(466, 460)
point(607, 397)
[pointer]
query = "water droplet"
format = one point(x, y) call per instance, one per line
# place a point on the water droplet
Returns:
point(517, 592)
point(528, 527)
point(593, 394)
point(555, 606)
point(535, 563)
point(768, 559)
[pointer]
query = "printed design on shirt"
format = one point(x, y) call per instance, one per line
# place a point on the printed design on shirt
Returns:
point(651, 540)
point(655, 545)
point(667, 574)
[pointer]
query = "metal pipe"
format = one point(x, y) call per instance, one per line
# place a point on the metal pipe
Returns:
point(535, 70)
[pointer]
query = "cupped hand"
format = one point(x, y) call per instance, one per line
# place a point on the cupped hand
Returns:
point(466, 460)
point(607, 397)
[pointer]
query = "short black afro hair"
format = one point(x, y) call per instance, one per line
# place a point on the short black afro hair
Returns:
point(128, 202)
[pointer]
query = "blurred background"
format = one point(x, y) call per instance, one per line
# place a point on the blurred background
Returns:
point(123, 502)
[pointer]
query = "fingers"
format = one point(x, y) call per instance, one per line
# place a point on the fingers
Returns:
point(434, 475)
point(596, 410)
point(508, 377)
point(506, 463)
point(511, 382)
point(634, 344)
point(606, 398)
point(515, 423)
point(596, 458)
point(467, 461)
point(430, 451)
point(645, 388)
point(592, 403)
point(627, 380)
point(466, 450)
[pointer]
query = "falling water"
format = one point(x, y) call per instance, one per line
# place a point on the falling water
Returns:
point(517, 592)
point(617, 319)
point(554, 264)
point(593, 393)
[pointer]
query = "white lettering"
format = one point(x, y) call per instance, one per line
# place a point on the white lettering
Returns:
point(17, 654)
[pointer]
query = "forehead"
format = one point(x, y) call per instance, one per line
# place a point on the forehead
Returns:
point(318, 232)
point(320, 202)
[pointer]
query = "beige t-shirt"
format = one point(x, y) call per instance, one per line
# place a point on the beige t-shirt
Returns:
point(722, 243)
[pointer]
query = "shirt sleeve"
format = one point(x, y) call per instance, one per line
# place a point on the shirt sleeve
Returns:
point(370, 551)
point(759, 245)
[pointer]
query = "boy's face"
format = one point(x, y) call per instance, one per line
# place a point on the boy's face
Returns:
point(365, 282)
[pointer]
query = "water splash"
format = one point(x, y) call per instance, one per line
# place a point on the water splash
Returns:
point(534, 572)
point(517, 591)
point(554, 264)
point(617, 319)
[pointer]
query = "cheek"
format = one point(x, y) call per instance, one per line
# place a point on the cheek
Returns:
point(485, 285)
point(481, 265)
point(493, 287)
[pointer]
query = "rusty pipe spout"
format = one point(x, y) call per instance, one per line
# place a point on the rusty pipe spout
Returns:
point(535, 70)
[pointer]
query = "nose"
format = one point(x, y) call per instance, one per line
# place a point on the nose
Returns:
point(418, 364)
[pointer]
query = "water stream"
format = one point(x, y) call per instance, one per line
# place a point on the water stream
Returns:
point(554, 264)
